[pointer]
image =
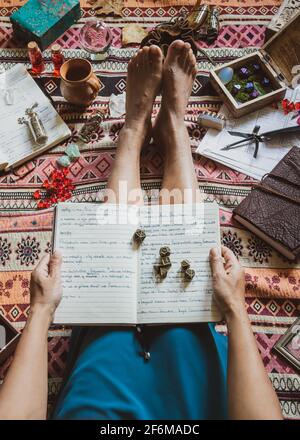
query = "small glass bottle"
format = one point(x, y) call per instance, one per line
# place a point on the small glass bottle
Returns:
point(57, 58)
point(36, 58)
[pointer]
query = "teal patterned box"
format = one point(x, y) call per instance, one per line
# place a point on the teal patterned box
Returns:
point(44, 21)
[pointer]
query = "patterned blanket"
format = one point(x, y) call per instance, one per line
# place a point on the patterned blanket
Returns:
point(273, 283)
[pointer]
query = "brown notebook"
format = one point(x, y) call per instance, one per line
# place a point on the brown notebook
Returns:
point(272, 209)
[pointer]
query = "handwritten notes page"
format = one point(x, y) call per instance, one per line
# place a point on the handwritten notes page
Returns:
point(194, 229)
point(16, 142)
point(107, 279)
point(99, 267)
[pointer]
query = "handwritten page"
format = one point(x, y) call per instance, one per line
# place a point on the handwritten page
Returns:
point(269, 153)
point(109, 279)
point(16, 142)
point(99, 269)
point(194, 229)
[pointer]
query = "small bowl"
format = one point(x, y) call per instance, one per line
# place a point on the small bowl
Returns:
point(96, 38)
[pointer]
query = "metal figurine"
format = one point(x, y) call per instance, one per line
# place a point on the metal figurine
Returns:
point(34, 124)
point(91, 126)
point(165, 262)
point(165, 251)
point(163, 272)
point(189, 274)
point(139, 236)
point(185, 264)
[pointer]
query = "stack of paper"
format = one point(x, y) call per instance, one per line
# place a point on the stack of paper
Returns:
point(16, 142)
point(269, 153)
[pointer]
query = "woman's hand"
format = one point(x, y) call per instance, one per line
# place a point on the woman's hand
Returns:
point(45, 283)
point(228, 281)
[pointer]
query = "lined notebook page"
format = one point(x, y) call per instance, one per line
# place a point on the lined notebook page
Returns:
point(172, 300)
point(99, 268)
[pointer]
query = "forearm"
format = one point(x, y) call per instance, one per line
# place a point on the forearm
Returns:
point(23, 394)
point(250, 393)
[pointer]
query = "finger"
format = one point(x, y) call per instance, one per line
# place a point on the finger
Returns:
point(216, 261)
point(43, 265)
point(55, 264)
point(229, 257)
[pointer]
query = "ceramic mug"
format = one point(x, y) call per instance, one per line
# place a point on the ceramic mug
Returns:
point(79, 84)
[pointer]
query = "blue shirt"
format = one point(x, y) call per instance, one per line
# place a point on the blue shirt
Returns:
point(185, 377)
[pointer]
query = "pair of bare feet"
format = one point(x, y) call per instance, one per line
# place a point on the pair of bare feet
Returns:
point(149, 74)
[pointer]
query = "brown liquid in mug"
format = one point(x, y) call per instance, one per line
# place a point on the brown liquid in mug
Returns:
point(77, 74)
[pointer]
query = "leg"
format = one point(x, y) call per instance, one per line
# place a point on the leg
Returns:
point(143, 84)
point(178, 77)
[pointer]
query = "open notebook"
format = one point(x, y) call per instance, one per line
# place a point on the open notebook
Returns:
point(16, 142)
point(107, 279)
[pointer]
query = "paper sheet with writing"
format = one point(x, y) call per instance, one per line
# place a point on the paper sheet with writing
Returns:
point(16, 142)
point(107, 279)
point(269, 153)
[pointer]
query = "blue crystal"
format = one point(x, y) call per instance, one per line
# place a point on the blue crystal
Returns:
point(73, 151)
point(226, 75)
point(249, 86)
point(64, 161)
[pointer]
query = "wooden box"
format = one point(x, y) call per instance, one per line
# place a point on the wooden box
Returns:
point(277, 59)
point(11, 337)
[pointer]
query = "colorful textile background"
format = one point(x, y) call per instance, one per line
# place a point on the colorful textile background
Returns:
point(273, 283)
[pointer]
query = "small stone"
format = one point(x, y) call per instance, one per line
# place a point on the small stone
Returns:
point(164, 251)
point(226, 75)
point(189, 274)
point(139, 236)
point(64, 161)
point(265, 82)
point(254, 94)
point(185, 264)
point(163, 272)
point(73, 152)
point(236, 89)
point(244, 72)
point(249, 87)
point(166, 262)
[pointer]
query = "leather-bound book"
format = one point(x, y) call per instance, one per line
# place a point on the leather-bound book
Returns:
point(272, 209)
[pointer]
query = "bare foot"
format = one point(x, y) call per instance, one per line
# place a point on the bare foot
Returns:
point(143, 84)
point(179, 72)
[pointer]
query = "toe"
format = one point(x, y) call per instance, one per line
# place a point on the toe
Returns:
point(185, 54)
point(145, 57)
point(138, 59)
point(155, 57)
point(190, 60)
point(174, 50)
